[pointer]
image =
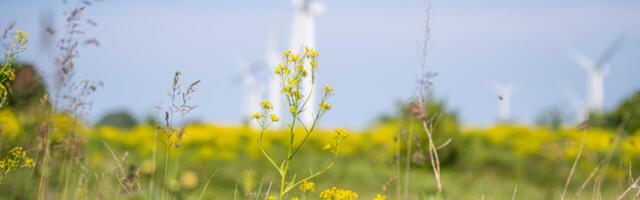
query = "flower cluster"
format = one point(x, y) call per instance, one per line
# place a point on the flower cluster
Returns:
point(338, 194)
point(292, 71)
point(6, 72)
point(17, 159)
point(380, 197)
point(261, 116)
point(307, 186)
point(338, 139)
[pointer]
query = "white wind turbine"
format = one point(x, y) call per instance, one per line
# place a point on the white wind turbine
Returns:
point(577, 103)
point(303, 34)
point(594, 100)
point(252, 91)
point(504, 92)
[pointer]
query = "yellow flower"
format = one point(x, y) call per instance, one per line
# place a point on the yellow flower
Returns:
point(292, 82)
point(325, 105)
point(341, 132)
point(266, 105)
point(295, 94)
point(295, 198)
point(313, 54)
point(279, 69)
point(338, 194)
point(307, 186)
point(271, 197)
point(380, 197)
point(10, 74)
point(314, 63)
point(328, 88)
point(274, 118)
point(326, 146)
point(292, 109)
point(256, 116)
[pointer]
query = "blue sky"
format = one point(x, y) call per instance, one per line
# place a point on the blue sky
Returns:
point(369, 52)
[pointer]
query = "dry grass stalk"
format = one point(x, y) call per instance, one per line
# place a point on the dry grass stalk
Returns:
point(515, 190)
point(575, 162)
point(427, 125)
point(632, 186)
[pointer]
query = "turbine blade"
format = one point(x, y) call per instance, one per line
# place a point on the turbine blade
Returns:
point(583, 61)
point(610, 52)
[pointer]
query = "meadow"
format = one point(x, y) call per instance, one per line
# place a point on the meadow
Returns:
point(420, 151)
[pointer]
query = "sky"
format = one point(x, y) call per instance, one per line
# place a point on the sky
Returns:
point(368, 52)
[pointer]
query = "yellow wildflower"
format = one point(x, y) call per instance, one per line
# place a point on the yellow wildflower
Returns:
point(256, 116)
point(271, 197)
point(338, 194)
point(325, 105)
point(11, 75)
point(295, 94)
point(328, 88)
point(314, 63)
point(279, 69)
point(295, 198)
point(341, 132)
point(294, 57)
point(313, 54)
point(266, 105)
point(326, 146)
point(307, 186)
point(380, 197)
point(292, 109)
point(292, 82)
point(274, 118)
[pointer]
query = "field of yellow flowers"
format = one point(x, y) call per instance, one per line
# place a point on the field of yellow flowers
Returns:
point(534, 158)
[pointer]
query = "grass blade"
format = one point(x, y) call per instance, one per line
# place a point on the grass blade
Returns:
point(204, 189)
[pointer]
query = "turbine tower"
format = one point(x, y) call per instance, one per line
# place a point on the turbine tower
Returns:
point(504, 92)
point(252, 91)
point(594, 100)
point(303, 34)
point(577, 103)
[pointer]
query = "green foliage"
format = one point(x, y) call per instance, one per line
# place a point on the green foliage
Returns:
point(28, 88)
point(627, 113)
point(118, 119)
point(552, 118)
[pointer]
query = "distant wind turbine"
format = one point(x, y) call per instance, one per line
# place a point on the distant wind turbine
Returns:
point(252, 91)
point(303, 34)
point(594, 100)
point(504, 92)
point(271, 60)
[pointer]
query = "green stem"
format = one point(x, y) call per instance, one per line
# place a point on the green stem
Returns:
point(164, 177)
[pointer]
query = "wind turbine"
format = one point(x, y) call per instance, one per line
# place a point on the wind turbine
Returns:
point(303, 34)
point(504, 92)
point(252, 91)
point(594, 100)
point(577, 103)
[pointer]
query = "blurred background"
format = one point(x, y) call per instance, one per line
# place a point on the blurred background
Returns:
point(475, 46)
point(520, 90)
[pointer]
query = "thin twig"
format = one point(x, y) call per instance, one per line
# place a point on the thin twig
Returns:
point(575, 162)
